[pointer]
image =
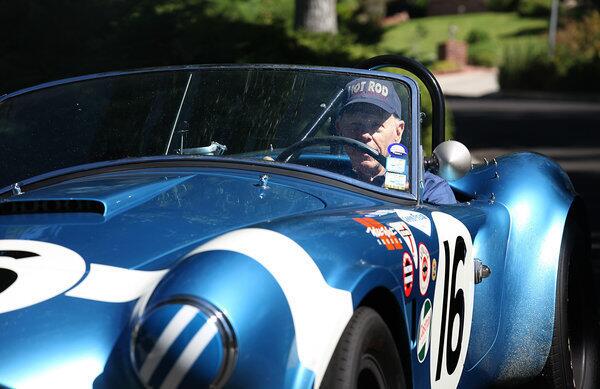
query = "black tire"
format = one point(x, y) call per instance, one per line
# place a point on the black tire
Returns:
point(366, 356)
point(574, 358)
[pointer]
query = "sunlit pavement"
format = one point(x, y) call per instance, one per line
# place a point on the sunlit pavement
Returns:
point(472, 82)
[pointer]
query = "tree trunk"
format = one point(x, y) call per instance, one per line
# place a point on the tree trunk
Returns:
point(316, 16)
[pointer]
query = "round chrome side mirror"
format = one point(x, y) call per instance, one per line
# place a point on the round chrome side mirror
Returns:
point(452, 160)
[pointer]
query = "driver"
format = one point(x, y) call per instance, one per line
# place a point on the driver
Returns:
point(371, 113)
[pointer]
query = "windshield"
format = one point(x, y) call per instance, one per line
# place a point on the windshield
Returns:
point(355, 126)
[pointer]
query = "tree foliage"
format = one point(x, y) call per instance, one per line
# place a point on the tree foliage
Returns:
point(43, 41)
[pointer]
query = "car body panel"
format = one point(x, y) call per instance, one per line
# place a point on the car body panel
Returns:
point(538, 196)
point(284, 255)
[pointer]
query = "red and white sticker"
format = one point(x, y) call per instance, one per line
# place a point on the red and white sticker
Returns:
point(425, 269)
point(414, 219)
point(407, 235)
point(424, 327)
point(385, 235)
point(409, 273)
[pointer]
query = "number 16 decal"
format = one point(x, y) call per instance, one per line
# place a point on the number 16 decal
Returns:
point(453, 302)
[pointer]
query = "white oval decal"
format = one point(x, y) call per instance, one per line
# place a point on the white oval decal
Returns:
point(32, 272)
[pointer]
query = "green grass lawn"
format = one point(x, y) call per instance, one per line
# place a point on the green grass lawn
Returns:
point(420, 37)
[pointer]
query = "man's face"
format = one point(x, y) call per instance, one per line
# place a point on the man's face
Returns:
point(376, 128)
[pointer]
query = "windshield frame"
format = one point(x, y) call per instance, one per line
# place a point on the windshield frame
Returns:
point(415, 163)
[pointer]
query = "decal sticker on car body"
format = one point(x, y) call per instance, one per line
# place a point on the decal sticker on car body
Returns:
point(385, 235)
point(407, 236)
point(412, 218)
point(35, 271)
point(424, 327)
point(424, 269)
point(416, 220)
point(46, 272)
point(453, 302)
point(409, 273)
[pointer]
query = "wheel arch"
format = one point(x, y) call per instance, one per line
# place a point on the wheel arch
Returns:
point(383, 301)
point(541, 202)
point(578, 214)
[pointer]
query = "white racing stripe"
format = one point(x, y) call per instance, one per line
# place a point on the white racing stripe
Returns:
point(175, 327)
point(190, 354)
point(319, 311)
point(115, 284)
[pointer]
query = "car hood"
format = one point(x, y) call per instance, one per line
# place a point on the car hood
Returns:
point(76, 256)
point(147, 219)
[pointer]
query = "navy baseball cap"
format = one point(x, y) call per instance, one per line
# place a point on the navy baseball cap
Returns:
point(377, 92)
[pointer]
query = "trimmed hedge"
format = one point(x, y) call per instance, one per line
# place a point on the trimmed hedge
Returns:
point(575, 66)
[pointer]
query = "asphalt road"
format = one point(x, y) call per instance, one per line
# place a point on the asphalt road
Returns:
point(566, 130)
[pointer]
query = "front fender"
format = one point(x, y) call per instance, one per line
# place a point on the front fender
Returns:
point(255, 306)
point(287, 293)
point(286, 318)
point(538, 195)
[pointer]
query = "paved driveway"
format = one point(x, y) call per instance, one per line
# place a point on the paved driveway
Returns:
point(472, 82)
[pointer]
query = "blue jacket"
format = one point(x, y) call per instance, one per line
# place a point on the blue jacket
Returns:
point(436, 190)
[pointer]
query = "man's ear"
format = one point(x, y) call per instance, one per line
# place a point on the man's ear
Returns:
point(400, 129)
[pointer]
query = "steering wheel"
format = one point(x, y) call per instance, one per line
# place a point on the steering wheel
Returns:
point(290, 152)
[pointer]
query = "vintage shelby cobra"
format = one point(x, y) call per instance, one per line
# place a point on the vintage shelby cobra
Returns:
point(202, 226)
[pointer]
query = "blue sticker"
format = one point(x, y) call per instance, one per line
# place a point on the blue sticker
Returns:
point(397, 150)
point(396, 166)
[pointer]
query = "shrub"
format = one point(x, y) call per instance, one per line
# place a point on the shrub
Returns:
point(580, 39)
point(502, 5)
point(484, 53)
point(250, 11)
point(575, 66)
point(417, 8)
point(365, 21)
point(527, 66)
point(346, 9)
point(373, 10)
point(477, 35)
point(445, 66)
point(578, 53)
point(534, 8)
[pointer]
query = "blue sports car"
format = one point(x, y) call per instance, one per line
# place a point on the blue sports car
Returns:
point(274, 226)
